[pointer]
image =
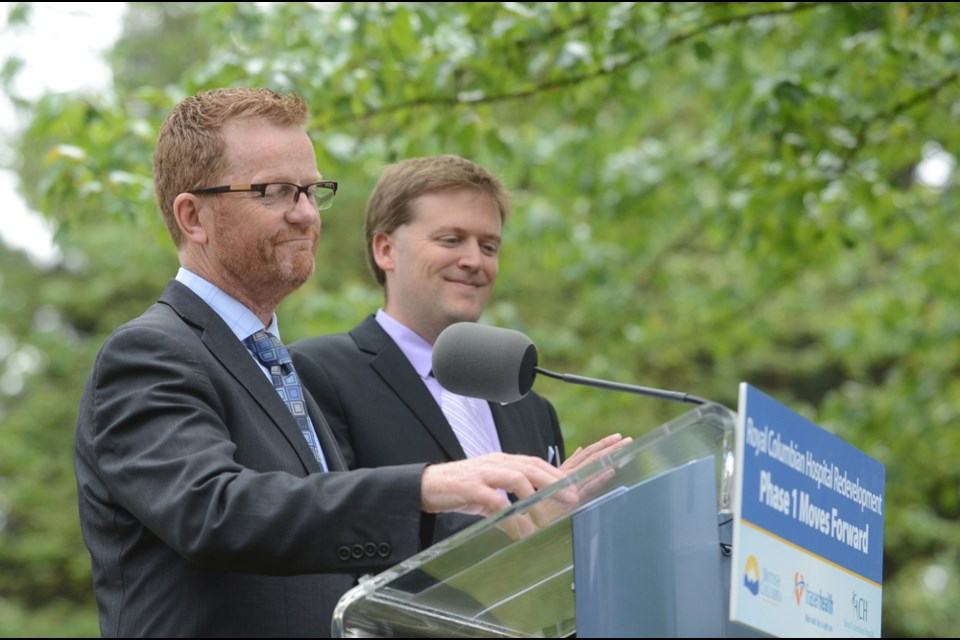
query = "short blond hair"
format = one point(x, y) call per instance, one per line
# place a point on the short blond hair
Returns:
point(190, 146)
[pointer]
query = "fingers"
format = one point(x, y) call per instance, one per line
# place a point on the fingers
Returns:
point(518, 526)
point(534, 473)
point(477, 485)
point(581, 454)
point(471, 486)
point(548, 511)
point(595, 484)
point(585, 456)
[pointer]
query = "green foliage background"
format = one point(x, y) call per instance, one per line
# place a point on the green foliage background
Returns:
point(705, 193)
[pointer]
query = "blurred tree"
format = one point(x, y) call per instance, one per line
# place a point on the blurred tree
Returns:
point(159, 43)
point(705, 193)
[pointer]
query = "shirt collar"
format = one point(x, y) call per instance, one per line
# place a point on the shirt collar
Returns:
point(418, 351)
point(240, 319)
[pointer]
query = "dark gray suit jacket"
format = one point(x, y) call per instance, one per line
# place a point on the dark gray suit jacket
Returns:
point(204, 511)
point(383, 414)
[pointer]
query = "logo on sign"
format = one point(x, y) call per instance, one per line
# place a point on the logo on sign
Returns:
point(860, 607)
point(751, 575)
point(798, 586)
point(814, 597)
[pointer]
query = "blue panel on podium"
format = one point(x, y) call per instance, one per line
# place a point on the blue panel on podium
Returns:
point(647, 559)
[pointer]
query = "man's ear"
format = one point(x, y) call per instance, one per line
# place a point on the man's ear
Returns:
point(187, 209)
point(384, 251)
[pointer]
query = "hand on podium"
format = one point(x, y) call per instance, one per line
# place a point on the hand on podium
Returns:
point(549, 511)
point(603, 447)
point(473, 486)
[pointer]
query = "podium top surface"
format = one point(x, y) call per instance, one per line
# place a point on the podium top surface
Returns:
point(511, 575)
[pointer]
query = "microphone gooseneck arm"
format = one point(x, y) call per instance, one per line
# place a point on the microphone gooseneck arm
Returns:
point(676, 396)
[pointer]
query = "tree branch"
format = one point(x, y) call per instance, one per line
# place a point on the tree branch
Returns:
point(895, 110)
point(561, 83)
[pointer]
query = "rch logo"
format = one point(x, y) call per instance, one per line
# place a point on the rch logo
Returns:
point(860, 607)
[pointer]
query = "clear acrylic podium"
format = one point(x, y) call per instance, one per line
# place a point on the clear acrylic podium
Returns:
point(642, 549)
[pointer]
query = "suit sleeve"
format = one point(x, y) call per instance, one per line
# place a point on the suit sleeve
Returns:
point(171, 441)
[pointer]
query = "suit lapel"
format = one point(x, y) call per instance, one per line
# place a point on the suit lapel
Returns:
point(392, 366)
point(331, 450)
point(237, 362)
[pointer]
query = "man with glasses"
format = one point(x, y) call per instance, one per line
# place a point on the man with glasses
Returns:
point(213, 497)
point(433, 233)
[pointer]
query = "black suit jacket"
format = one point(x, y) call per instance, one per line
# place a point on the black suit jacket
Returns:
point(202, 506)
point(383, 414)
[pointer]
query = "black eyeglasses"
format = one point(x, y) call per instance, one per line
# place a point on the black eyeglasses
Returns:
point(273, 194)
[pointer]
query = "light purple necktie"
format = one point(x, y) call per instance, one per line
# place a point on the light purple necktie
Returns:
point(467, 424)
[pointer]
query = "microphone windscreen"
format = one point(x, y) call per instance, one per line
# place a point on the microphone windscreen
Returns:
point(485, 362)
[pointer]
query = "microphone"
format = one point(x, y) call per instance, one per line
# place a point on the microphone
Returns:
point(500, 365)
point(485, 362)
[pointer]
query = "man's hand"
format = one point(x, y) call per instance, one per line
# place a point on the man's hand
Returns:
point(603, 447)
point(471, 486)
point(583, 457)
point(479, 485)
point(547, 512)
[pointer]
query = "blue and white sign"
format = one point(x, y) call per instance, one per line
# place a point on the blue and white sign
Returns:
point(808, 527)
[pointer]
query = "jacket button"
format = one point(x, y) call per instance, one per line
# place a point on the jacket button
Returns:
point(357, 551)
point(384, 549)
point(343, 553)
point(371, 549)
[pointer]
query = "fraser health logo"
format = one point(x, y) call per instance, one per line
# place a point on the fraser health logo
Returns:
point(814, 598)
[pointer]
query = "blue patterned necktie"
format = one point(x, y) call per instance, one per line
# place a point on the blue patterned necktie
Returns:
point(271, 353)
